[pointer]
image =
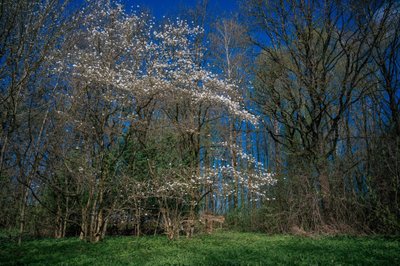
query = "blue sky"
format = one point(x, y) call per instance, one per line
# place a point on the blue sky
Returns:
point(160, 8)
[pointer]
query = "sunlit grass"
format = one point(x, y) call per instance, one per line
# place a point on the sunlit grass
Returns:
point(223, 248)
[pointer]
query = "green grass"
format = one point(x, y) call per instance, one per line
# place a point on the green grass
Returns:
point(223, 248)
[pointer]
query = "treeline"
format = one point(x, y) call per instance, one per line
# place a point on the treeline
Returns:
point(327, 78)
point(285, 118)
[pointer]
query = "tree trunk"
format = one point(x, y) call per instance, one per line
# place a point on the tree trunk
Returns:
point(22, 214)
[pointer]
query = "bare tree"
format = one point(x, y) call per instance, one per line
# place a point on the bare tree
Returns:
point(312, 69)
point(30, 31)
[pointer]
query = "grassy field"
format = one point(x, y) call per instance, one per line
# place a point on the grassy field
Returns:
point(223, 248)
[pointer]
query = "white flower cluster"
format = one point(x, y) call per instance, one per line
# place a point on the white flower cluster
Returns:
point(221, 180)
point(131, 53)
point(255, 182)
point(242, 154)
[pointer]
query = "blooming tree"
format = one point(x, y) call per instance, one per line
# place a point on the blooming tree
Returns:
point(142, 76)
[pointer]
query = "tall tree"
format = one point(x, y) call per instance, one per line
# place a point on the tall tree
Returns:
point(313, 67)
point(30, 32)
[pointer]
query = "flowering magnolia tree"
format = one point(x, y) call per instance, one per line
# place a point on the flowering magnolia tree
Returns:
point(134, 82)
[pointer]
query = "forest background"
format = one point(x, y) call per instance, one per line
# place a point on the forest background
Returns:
point(282, 117)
